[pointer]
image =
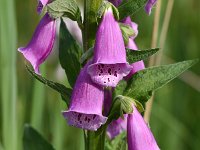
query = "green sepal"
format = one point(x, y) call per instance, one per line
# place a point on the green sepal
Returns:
point(144, 82)
point(87, 55)
point(137, 55)
point(104, 6)
point(64, 91)
point(32, 140)
point(129, 7)
point(127, 32)
point(120, 106)
point(65, 8)
point(118, 143)
point(69, 54)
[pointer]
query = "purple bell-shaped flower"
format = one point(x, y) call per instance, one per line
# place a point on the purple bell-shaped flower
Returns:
point(41, 43)
point(109, 64)
point(85, 109)
point(139, 134)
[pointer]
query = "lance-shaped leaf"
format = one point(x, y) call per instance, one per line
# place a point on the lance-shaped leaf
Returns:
point(32, 140)
point(129, 7)
point(119, 89)
point(134, 56)
point(69, 54)
point(64, 91)
point(65, 8)
point(141, 85)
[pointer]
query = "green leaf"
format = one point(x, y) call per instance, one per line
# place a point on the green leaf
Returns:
point(87, 55)
point(129, 7)
point(64, 91)
point(119, 89)
point(127, 31)
point(64, 8)
point(69, 54)
point(141, 85)
point(32, 140)
point(137, 55)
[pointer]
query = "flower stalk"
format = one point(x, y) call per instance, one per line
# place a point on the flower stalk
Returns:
point(92, 141)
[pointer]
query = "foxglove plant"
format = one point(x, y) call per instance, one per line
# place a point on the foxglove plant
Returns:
point(105, 92)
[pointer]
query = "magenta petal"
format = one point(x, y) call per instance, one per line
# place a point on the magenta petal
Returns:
point(41, 5)
point(149, 6)
point(41, 43)
point(108, 75)
point(139, 134)
point(109, 62)
point(116, 127)
point(85, 110)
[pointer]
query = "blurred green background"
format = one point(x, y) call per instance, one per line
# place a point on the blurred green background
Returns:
point(175, 119)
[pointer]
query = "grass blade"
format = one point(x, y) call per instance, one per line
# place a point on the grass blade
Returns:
point(8, 50)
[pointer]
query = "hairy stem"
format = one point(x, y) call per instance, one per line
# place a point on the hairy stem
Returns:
point(92, 140)
point(90, 24)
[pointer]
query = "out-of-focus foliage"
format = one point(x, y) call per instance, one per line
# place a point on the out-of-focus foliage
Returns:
point(175, 117)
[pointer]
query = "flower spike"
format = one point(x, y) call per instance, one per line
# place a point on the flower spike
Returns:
point(109, 64)
point(85, 110)
point(41, 43)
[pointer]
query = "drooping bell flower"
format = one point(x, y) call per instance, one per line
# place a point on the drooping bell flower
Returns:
point(116, 127)
point(149, 6)
point(41, 43)
point(41, 5)
point(139, 134)
point(85, 109)
point(109, 64)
